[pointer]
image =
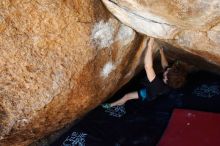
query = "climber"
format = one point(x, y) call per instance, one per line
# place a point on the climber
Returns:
point(173, 77)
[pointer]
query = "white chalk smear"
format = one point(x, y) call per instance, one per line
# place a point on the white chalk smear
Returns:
point(125, 34)
point(107, 69)
point(23, 122)
point(103, 34)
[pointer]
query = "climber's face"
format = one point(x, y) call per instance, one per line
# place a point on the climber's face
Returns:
point(165, 79)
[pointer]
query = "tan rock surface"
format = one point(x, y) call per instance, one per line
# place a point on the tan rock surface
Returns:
point(58, 60)
point(193, 25)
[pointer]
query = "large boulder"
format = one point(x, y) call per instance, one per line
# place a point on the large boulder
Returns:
point(58, 60)
point(193, 25)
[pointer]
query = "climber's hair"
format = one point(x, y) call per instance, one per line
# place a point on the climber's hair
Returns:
point(177, 75)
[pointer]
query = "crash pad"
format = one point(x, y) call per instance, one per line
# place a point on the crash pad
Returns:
point(192, 128)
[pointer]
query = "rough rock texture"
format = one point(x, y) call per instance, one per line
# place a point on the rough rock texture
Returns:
point(193, 25)
point(58, 60)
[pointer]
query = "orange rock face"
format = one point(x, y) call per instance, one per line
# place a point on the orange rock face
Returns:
point(58, 60)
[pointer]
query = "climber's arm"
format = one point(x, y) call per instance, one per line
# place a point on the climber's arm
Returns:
point(148, 61)
point(163, 59)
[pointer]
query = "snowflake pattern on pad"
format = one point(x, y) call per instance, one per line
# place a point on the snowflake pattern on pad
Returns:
point(207, 91)
point(76, 139)
point(116, 111)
